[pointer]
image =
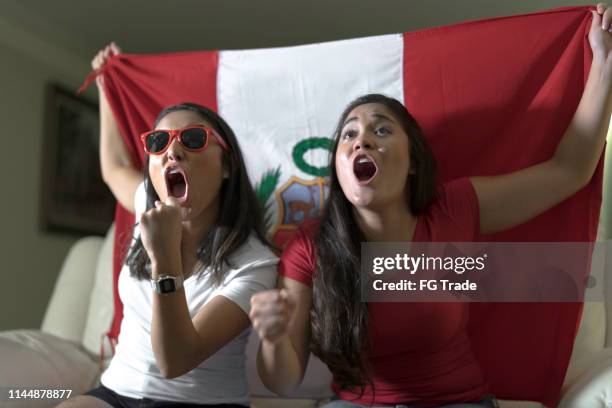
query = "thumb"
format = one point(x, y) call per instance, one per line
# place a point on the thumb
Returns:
point(289, 301)
point(172, 202)
point(115, 48)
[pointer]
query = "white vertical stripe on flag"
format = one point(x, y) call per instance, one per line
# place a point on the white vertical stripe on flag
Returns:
point(275, 98)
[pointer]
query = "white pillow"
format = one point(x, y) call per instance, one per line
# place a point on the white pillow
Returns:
point(66, 313)
point(34, 359)
point(101, 306)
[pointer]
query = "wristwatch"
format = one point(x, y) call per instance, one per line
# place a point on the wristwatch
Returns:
point(167, 284)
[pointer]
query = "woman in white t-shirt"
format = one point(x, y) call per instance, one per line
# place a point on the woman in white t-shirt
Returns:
point(197, 256)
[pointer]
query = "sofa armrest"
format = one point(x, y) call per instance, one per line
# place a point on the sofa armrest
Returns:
point(593, 387)
point(101, 305)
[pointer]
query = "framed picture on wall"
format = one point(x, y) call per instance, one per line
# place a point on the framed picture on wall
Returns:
point(73, 196)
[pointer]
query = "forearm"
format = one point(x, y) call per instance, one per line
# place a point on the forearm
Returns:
point(279, 366)
point(176, 344)
point(115, 163)
point(582, 145)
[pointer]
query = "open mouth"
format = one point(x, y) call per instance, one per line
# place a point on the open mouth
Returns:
point(176, 182)
point(364, 168)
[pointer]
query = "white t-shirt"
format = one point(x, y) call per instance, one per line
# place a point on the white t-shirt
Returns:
point(221, 378)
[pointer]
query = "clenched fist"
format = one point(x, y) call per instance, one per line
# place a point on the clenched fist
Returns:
point(161, 231)
point(271, 313)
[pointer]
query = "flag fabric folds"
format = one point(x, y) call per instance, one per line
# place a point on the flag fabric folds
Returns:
point(492, 96)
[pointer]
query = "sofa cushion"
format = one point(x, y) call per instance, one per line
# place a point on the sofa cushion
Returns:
point(35, 359)
point(593, 387)
point(590, 338)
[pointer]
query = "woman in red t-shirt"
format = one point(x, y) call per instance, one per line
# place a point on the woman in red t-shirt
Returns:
point(382, 189)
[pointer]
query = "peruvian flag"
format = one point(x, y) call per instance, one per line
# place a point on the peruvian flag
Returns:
point(492, 97)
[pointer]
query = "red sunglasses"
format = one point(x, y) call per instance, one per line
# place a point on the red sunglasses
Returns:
point(193, 138)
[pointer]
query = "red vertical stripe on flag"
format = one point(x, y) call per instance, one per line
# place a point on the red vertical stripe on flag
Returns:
point(493, 97)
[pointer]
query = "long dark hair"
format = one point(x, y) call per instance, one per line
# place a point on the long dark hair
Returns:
point(240, 212)
point(339, 319)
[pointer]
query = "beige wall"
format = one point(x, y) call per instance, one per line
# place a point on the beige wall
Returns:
point(30, 259)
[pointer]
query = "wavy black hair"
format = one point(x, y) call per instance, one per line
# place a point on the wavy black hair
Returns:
point(339, 319)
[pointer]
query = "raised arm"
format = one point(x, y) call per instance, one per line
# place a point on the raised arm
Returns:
point(115, 163)
point(282, 319)
point(181, 342)
point(508, 200)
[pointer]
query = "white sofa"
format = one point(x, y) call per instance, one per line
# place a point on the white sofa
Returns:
point(64, 353)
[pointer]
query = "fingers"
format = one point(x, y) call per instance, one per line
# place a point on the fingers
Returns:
point(596, 23)
point(172, 202)
point(97, 60)
point(164, 210)
point(289, 301)
point(104, 54)
point(607, 19)
point(143, 220)
point(269, 315)
point(602, 16)
point(115, 48)
point(283, 294)
point(267, 301)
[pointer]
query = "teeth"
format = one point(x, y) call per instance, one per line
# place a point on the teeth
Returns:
point(364, 160)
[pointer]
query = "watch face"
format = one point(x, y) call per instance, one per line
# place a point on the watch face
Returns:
point(166, 285)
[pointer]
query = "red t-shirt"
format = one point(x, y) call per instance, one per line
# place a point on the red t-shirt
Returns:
point(421, 353)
